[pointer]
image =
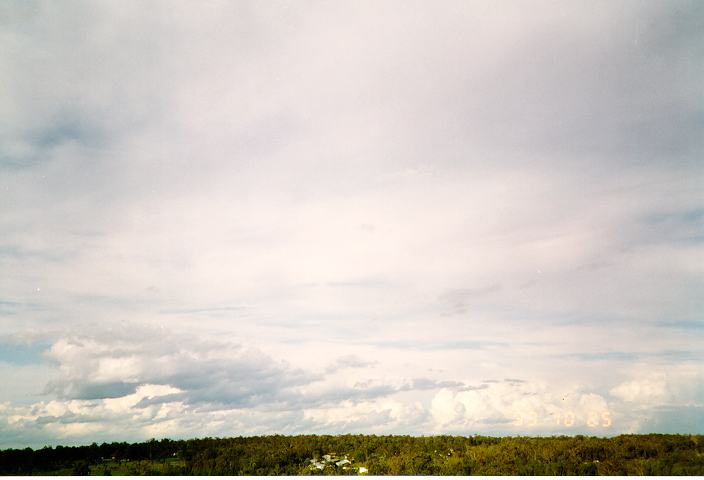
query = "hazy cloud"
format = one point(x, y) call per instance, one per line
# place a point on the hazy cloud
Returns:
point(263, 217)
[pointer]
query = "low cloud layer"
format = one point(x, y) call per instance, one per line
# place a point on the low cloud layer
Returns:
point(139, 383)
point(377, 217)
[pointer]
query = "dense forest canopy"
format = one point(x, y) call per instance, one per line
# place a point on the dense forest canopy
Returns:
point(653, 454)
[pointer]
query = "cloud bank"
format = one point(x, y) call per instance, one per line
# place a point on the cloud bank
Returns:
point(264, 217)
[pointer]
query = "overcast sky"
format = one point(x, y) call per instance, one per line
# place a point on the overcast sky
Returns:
point(236, 218)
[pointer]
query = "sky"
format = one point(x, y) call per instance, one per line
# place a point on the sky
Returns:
point(380, 217)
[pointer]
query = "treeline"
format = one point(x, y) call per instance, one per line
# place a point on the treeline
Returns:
point(378, 455)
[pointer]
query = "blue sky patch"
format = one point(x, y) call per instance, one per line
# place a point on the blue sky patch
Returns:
point(23, 353)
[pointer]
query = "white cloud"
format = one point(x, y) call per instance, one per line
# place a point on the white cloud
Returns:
point(368, 416)
point(516, 407)
point(645, 391)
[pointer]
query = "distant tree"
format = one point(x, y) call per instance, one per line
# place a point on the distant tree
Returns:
point(81, 468)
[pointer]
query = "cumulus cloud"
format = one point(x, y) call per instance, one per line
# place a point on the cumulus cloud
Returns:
point(117, 363)
point(140, 383)
point(514, 407)
point(136, 381)
point(644, 391)
point(378, 417)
